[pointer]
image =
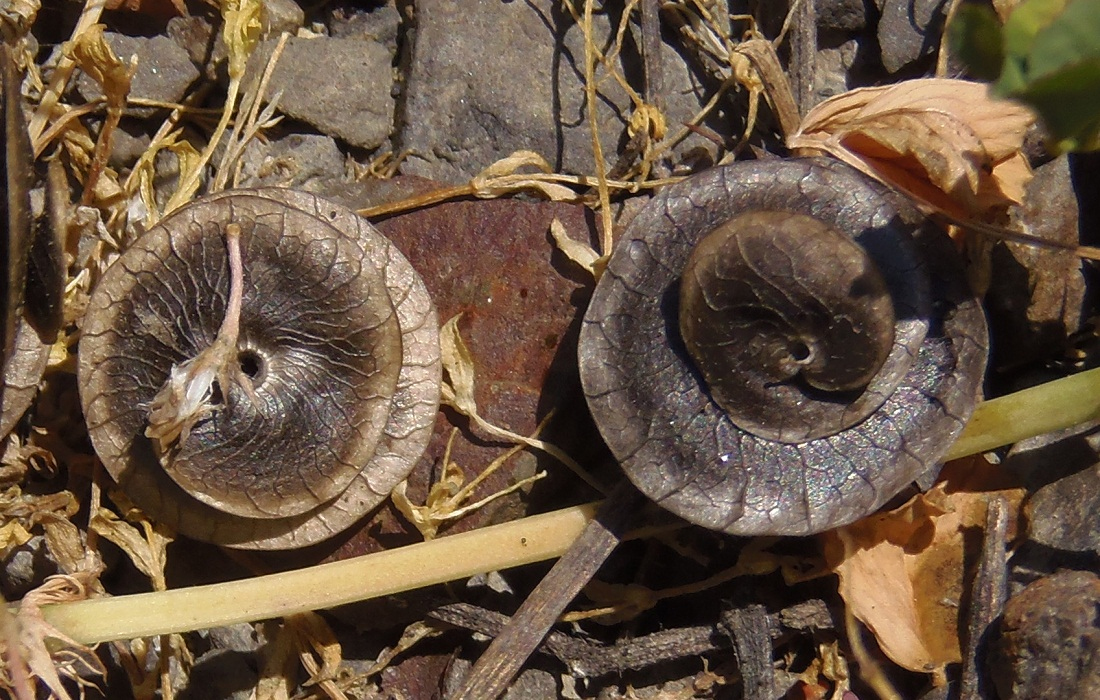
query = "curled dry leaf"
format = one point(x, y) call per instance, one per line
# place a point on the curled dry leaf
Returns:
point(580, 253)
point(147, 549)
point(446, 497)
point(95, 57)
point(946, 143)
point(457, 391)
point(902, 572)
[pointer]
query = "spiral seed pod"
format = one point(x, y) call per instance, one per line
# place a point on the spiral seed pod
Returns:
point(335, 379)
point(780, 347)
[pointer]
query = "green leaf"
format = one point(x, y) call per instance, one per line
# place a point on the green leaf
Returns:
point(1052, 62)
point(1069, 103)
point(975, 37)
point(1047, 55)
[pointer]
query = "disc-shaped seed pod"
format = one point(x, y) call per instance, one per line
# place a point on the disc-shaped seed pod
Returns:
point(780, 347)
point(334, 384)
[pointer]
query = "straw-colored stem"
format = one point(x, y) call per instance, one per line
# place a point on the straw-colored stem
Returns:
point(525, 541)
point(1052, 406)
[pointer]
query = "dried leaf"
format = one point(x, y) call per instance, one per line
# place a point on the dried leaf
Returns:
point(649, 120)
point(20, 14)
point(509, 184)
point(446, 496)
point(457, 391)
point(148, 549)
point(458, 385)
point(94, 55)
point(12, 535)
point(241, 32)
point(66, 543)
point(413, 633)
point(902, 573)
point(946, 143)
point(277, 671)
point(318, 650)
point(580, 253)
point(513, 162)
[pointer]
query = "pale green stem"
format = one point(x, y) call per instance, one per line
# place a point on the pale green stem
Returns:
point(525, 541)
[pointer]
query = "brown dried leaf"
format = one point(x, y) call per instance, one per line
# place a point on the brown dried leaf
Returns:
point(446, 496)
point(319, 652)
point(95, 57)
point(946, 143)
point(902, 572)
point(148, 551)
point(12, 535)
point(278, 669)
point(580, 253)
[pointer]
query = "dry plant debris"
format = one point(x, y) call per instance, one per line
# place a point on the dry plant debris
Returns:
point(903, 574)
point(944, 142)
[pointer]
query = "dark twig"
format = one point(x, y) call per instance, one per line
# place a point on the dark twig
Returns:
point(590, 659)
point(750, 630)
point(803, 64)
point(500, 663)
point(987, 600)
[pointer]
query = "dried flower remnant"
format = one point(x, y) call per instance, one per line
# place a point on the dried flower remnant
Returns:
point(948, 144)
point(189, 394)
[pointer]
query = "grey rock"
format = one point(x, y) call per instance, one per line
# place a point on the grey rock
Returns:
point(303, 161)
point(1063, 514)
point(221, 674)
point(26, 567)
point(831, 69)
point(195, 35)
point(908, 31)
point(128, 142)
point(281, 16)
point(351, 20)
point(1037, 295)
point(164, 70)
point(487, 79)
point(240, 637)
point(532, 684)
point(339, 86)
point(1050, 640)
point(841, 15)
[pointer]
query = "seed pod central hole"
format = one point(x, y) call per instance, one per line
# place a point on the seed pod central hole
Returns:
point(252, 365)
point(800, 352)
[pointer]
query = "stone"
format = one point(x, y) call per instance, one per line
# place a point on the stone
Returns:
point(303, 161)
point(521, 302)
point(1037, 295)
point(841, 15)
point(1062, 514)
point(908, 31)
point(128, 142)
point(1049, 644)
point(195, 35)
point(341, 87)
point(489, 78)
point(281, 16)
point(26, 567)
point(832, 68)
point(164, 70)
point(380, 23)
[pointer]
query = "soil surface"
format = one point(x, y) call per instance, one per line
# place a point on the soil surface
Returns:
point(381, 101)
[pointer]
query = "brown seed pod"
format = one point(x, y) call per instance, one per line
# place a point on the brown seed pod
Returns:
point(779, 347)
point(337, 355)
